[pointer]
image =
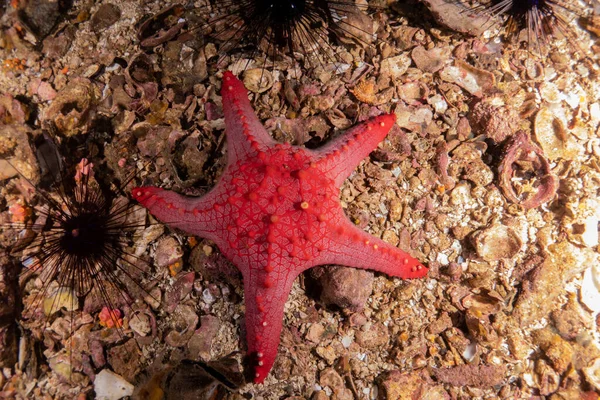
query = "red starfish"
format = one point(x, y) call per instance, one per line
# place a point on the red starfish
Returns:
point(275, 212)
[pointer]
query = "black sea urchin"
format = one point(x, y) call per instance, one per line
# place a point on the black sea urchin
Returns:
point(308, 27)
point(542, 20)
point(77, 249)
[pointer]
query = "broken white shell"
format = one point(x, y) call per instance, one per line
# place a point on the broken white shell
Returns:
point(590, 288)
point(582, 222)
point(62, 297)
point(140, 323)
point(496, 242)
point(461, 195)
point(258, 80)
point(550, 130)
point(474, 80)
point(592, 373)
point(550, 93)
point(396, 66)
point(589, 234)
point(110, 386)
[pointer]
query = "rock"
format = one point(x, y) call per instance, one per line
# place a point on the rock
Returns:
point(201, 343)
point(12, 111)
point(125, 359)
point(481, 376)
point(97, 353)
point(461, 195)
point(62, 297)
point(7, 291)
point(161, 27)
point(441, 324)
point(141, 324)
point(56, 46)
point(168, 252)
point(354, 26)
point(190, 380)
point(43, 89)
point(8, 346)
point(463, 129)
point(479, 173)
point(15, 139)
point(376, 335)
point(581, 221)
point(41, 16)
point(494, 121)
point(180, 289)
point(453, 15)
point(367, 91)
point(327, 353)
point(320, 395)
point(95, 300)
point(183, 324)
point(430, 60)
point(65, 369)
point(330, 378)
point(413, 118)
point(546, 378)
point(557, 350)
point(73, 109)
point(395, 385)
point(315, 333)
point(8, 337)
point(347, 288)
point(571, 320)
point(105, 16)
point(110, 386)
point(545, 283)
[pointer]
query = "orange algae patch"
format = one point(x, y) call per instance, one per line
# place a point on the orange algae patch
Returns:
point(111, 318)
point(175, 268)
point(19, 212)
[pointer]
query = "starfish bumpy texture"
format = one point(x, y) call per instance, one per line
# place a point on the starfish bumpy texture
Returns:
point(276, 212)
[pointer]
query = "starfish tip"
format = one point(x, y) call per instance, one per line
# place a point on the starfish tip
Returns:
point(141, 193)
point(228, 75)
point(260, 372)
point(232, 88)
point(386, 120)
point(417, 270)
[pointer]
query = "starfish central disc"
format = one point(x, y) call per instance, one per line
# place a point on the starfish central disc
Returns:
point(277, 207)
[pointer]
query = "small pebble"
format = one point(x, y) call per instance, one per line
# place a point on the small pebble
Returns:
point(207, 296)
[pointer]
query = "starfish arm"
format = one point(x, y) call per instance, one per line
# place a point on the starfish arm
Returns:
point(341, 156)
point(265, 302)
point(195, 215)
point(353, 247)
point(246, 136)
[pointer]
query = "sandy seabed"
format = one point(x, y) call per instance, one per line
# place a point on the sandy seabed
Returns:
point(490, 177)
